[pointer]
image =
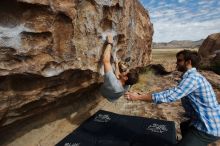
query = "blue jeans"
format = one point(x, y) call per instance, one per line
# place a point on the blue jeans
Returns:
point(194, 137)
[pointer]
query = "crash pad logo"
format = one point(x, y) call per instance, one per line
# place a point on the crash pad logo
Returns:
point(74, 144)
point(102, 118)
point(157, 128)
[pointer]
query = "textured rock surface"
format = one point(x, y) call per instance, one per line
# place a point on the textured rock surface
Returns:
point(50, 50)
point(210, 52)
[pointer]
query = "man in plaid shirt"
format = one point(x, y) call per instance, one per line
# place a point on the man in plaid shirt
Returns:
point(198, 100)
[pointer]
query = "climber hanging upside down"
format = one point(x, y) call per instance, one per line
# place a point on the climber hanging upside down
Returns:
point(116, 83)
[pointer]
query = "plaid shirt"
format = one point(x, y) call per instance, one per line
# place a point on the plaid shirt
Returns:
point(198, 99)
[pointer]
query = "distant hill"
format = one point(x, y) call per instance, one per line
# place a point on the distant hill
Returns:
point(178, 44)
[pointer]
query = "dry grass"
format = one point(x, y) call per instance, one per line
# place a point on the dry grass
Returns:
point(165, 57)
point(142, 84)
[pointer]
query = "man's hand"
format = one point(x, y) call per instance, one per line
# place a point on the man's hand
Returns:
point(132, 96)
point(110, 39)
point(136, 96)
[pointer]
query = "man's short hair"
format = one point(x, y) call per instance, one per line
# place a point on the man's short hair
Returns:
point(190, 55)
point(133, 77)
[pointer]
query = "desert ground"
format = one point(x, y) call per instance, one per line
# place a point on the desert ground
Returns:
point(50, 127)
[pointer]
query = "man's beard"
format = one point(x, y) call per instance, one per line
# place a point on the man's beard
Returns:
point(181, 68)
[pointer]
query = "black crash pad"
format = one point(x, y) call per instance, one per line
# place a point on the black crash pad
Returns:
point(110, 129)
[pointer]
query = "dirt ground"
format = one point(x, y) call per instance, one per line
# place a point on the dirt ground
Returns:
point(51, 127)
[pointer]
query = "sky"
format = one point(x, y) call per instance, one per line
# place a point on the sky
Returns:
point(183, 19)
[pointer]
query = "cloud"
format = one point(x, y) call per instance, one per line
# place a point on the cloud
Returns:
point(181, 1)
point(169, 31)
point(202, 2)
point(205, 2)
point(193, 20)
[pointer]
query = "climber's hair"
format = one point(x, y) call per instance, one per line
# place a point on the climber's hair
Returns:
point(133, 77)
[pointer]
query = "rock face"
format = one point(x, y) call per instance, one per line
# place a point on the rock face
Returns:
point(50, 50)
point(210, 52)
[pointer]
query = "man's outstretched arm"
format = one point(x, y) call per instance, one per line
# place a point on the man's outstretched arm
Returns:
point(185, 87)
point(107, 54)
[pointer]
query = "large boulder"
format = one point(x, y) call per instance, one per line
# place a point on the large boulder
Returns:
point(210, 52)
point(50, 50)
